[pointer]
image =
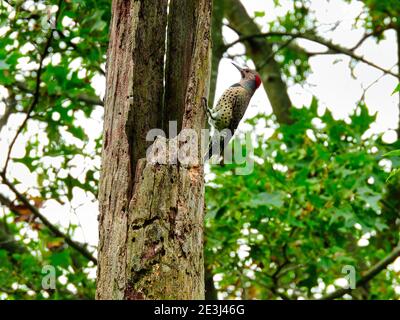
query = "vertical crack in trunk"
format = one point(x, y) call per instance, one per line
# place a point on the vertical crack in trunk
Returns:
point(151, 221)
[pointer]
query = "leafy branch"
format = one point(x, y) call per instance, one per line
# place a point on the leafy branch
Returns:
point(36, 213)
point(88, 99)
point(36, 93)
point(395, 171)
point(368, 275)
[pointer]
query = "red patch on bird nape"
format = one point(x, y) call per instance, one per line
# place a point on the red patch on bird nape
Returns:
point(258, 81)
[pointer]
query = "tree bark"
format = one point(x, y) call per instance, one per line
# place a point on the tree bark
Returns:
point(181, 30)
point(259, 50)
point(218, 47)
point(151, 211)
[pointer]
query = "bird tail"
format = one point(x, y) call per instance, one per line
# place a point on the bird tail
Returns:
point(216, 147)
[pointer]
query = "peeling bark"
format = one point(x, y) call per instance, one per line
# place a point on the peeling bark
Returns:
point(151, 212)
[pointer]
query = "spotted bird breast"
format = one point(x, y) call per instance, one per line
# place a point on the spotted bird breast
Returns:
point(231, 107)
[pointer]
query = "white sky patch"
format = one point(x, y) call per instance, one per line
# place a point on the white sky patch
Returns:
point(56, 59)
point(363, 242)
point(68, 22)
point(99, 85)
point(396, 265)
point(27, 47)
point(27, 65)
point(341, 282)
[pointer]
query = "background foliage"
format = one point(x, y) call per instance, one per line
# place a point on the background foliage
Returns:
point(76, 36)
point(289, 227)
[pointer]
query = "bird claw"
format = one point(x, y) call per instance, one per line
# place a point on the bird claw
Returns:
point(205, 103)
point(206, 108)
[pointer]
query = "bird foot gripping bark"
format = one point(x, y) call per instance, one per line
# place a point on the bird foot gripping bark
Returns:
point(207, 110)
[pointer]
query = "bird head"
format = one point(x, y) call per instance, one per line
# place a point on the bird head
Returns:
point(250, 78)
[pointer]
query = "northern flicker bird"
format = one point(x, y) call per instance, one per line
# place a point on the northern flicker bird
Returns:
point(231, 107)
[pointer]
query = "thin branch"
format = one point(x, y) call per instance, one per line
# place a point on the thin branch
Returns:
point(370, 274)
point(315, 38)
point(5, 201)
point(361, 41)
point(259, 35)
point(277, 274)
point(272, 55)
point(365, 89)
point(228, 25)
point(88, 99)
point(373, 33)
point(35, 212)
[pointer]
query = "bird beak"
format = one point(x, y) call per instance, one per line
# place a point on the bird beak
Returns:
point(238, 67)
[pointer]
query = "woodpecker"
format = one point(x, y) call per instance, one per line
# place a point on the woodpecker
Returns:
point(231, 107)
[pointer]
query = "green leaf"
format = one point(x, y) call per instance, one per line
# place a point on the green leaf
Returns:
point(259, 14)
point(361, 120)
point(346, 213)
point(392, 174)
point(267, 199)
point(393, 153)
point(370, 197)
point(397, 89)
point(61, 259)
point(4, 65)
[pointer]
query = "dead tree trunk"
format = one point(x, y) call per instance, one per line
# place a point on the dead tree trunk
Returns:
point(151, 211)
